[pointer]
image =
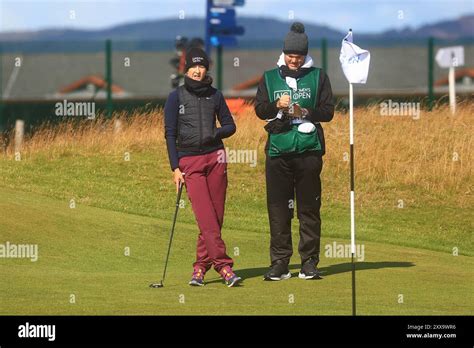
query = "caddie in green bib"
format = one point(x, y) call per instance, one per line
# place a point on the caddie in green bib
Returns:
point(293, 141)
point(294, 100)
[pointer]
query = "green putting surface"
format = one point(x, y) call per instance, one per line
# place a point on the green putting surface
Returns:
point(93, 260)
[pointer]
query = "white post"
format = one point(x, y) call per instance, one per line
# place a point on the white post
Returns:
point(117, 126)
point(351, 141)
point(452, 90)
point(19, 133)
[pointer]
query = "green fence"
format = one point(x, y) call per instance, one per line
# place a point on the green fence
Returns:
point(32, 82)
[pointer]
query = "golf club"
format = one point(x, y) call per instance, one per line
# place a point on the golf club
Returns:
point(160, 284)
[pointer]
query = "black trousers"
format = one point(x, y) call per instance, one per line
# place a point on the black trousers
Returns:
point(287, 176)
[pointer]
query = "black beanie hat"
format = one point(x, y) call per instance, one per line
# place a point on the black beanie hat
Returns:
point(196, 56)
point(296, 41)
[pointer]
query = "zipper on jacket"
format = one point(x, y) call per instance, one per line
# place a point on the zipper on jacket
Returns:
point(200, 124)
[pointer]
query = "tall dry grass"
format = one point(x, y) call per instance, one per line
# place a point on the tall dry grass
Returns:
point(433, 153)
point(137, 130)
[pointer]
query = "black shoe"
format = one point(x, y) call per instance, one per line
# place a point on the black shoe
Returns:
point(309, 270)
point(278, 271)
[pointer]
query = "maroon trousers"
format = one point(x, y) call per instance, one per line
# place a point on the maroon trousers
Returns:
point(206, 185)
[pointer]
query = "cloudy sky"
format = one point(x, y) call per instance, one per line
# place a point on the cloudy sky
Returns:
point(365, 15)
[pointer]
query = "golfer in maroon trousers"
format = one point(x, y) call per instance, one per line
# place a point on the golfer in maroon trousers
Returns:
point(197, 158)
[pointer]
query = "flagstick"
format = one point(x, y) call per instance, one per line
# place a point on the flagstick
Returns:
point(452, 91)
point(351, 140)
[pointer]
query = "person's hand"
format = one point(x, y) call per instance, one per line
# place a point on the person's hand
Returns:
point(178, 177)
point(283, 102)
point(294, 110)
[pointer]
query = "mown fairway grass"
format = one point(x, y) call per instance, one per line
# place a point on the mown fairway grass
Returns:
point(129, 204)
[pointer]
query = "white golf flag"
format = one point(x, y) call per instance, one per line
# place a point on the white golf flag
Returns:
point(354, 60)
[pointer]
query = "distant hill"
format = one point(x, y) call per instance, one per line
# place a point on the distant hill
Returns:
point(257, 31)
point(462, 27)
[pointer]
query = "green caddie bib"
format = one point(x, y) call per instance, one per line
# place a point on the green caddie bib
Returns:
point(305, 96)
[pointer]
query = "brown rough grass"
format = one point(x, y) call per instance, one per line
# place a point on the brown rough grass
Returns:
point(433, 153)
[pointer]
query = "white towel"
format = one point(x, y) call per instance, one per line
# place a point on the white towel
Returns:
point(290, 81)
